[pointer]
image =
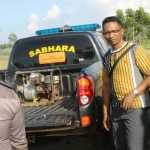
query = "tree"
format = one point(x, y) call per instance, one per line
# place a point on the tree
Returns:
point(148, 34)
point(12, 38)
point(136, 23)
point(121, 15)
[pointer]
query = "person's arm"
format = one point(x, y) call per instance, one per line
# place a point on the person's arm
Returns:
point(17, 131)
point(142, 59)
point(106, 104)
point(106, 99)
point(142, 87)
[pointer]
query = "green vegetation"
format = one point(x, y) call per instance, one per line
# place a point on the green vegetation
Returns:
point(146, 44)
point(4, 57)
point(136, 24)
point(4, 46)
point(11, 40)
point(5, 51)
point(3, 61)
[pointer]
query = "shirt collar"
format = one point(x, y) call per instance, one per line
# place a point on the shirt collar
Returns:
point(117, 50)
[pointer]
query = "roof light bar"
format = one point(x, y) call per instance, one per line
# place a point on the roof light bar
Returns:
point(69, 28)
point(85, 27)
point(47, 31)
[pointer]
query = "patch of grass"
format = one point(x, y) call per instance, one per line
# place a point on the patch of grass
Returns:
point(4, 57)
point(3, 61)
point(5, 51)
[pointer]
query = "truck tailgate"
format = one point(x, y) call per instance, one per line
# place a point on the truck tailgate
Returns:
point(62, 113)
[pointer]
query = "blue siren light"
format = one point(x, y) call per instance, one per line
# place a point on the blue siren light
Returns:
point(47, 31)
point(69, 28)
point(86, 27)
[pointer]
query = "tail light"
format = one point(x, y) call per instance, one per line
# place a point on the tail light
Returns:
point(85, 90)
point(85, 120)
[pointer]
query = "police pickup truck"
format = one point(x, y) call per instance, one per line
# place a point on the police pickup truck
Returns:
point(56, 75)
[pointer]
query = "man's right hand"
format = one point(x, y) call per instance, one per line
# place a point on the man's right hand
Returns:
point(106, 122)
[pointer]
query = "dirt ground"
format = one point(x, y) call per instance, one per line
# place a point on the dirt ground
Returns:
point(65, 143)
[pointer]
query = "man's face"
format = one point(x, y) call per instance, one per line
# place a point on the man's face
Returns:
point(113, 33)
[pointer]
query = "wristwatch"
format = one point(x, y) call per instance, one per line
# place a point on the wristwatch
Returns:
point(135, 91)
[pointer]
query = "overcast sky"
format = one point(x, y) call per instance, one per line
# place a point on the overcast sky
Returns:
point(24, 17)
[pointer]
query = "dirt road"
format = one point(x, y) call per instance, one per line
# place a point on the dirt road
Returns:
point(67, 143)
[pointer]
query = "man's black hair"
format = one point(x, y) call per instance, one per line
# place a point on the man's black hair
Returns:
point(111, 19)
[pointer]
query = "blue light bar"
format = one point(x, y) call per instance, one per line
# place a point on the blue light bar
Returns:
point(69, 28)
point(86, 27)
point(47, 31)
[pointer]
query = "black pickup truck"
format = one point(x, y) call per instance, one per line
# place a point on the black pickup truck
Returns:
point(56, 75)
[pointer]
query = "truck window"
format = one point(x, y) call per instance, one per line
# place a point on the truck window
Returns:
point(32, 52)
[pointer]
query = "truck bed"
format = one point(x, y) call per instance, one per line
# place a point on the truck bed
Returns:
point(62, 113)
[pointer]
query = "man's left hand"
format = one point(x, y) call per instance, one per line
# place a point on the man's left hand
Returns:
point(128, 101)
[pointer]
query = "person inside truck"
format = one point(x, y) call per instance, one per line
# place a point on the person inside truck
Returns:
point(12, 129)
point(125, 99)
